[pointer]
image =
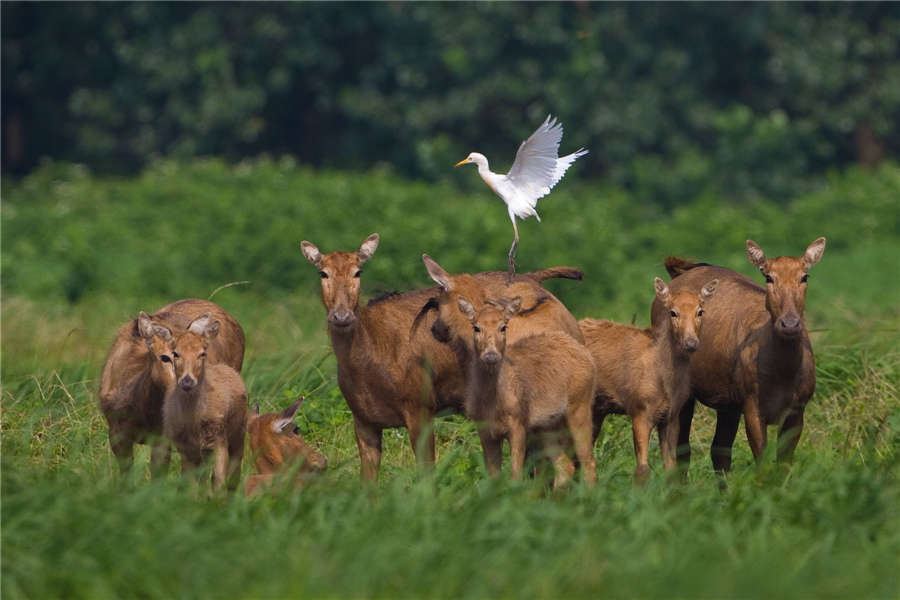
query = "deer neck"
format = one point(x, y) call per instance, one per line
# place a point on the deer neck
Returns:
point(482, 381)
point(673, 360)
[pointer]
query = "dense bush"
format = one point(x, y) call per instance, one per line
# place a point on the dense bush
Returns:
point(746, 99)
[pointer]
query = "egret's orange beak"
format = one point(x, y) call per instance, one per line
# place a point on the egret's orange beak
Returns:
point(463, 161)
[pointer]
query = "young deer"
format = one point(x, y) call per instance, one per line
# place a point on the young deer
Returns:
point(275, 442)
point(537, 385)
point(645, 373)
point(391, 372)
point(205, 411)
point(135, 375)
point(755, 357)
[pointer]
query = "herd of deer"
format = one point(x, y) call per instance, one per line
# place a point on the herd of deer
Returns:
point(502, 350)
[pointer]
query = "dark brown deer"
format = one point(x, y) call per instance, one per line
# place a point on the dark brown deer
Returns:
point(390, 373)
point(138, 369)
point(205, 408)
point(540, 384)
point(645, 373)
point(276, 444)
point(755, 357)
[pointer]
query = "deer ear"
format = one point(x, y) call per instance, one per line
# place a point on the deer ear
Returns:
point(202, 326)
point(756, 255)
point(512, 307)
point(367, 248)
point(662, 290)
point(291, 410)
point(149, 328)
point(311, 253)
point(466, 308)
point(813, 253)
point(281, 425)
point(709, 289)
point(437, 273)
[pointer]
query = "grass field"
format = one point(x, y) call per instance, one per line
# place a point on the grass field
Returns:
point(83, 254)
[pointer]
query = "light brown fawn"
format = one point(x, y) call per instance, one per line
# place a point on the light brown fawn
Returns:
point(138, 370)
point(539, 384)
point(645, 373)
point(391, 373)
point(755, 357)
point(276, 444)
point(205, 411)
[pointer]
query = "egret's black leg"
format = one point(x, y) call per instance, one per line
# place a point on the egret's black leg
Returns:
point(511, 263)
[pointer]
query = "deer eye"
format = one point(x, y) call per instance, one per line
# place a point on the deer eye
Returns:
point(358, 273)
point(673, 313)
point(804, 278)
point(769, 279)
point(323, 274)
point(476, 328)
point(165, 358)
point(700, 313)
point(203, 354)
point(503, 329)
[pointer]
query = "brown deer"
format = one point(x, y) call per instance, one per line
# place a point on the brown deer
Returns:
point(205, 411)
point(138, 369)
point(276, 443)
point(645, 373)
point(755, 357)
point(391, 373)
point(539, 384)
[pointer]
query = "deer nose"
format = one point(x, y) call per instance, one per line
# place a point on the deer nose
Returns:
point(691, 344)
point(341, 317)
point(789, 324)
point(187, 383)
point(491, 357)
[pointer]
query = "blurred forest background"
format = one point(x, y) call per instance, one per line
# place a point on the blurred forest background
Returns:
point(746, 99)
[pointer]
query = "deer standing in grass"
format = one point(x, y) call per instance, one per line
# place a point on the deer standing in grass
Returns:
point(205, 411)
point(390, 372)
point(276, 443)
point(540, 384)
point(645, 373)
point(755, 357)
point(138, 370)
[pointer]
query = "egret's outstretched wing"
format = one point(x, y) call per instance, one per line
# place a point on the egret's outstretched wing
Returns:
point(535, 166)
point(564, 162)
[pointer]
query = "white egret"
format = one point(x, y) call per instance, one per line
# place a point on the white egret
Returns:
point(537, 168)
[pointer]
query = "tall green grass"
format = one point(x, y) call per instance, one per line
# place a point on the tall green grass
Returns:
point(81, 255)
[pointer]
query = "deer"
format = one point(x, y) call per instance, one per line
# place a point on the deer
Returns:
point(205, 407)
point(137, 372)
point(755, 357)
point(645, 373)
point(390, 372)
point(542, 383)
point(276, 443)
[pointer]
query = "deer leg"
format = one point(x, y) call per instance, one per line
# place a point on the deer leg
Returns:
point(492, 448)
point(368, 440)
point(160, 456)
point(235, 457)
point(516, 449)
point(220, 464)
point(683, 450)
point(756, 429)
point(421, 435)
point(511, 259)
point(580, 426)
point(121, 441)
point(562, 465)
point(667, 430)
point(727, 421)
point(640, 429)
point(789, 435)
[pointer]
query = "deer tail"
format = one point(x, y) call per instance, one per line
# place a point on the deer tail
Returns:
point(556, 273)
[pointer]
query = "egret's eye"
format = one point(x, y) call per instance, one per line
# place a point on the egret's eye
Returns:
point(700, 313)
point(358, 273)
point(165, 358)
point(769, 279)
point(673, 313)
point(175, 354)
point(476, 328)
point(804, 278)
point(503, 329)
point(323, 274)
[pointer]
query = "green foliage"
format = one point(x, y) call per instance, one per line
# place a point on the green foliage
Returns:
point(749, 100)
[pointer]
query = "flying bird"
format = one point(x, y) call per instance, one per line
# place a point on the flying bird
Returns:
point(537, 168)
